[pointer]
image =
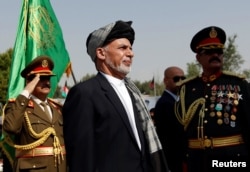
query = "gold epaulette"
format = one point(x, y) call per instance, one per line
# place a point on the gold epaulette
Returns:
point(234, 74)
point(12, 100)
point(181, 82)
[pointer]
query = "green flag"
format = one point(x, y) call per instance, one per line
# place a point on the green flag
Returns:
point(39, 33)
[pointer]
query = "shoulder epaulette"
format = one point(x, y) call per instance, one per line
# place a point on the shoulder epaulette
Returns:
point(234, 74)
point(12, 100)
point(54, 102)
point(186, 80)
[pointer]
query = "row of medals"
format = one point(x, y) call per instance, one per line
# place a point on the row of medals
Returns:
point(227, 113)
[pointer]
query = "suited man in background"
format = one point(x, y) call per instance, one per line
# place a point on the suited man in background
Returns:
point(106, 124)
point(168, 128)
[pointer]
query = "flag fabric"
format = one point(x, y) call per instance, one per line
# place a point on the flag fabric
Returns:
point(39, 33)
point(65, 90)
point(152, 84)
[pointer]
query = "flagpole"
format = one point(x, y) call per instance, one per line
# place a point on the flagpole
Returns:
point(73, 76)
point(154, 88)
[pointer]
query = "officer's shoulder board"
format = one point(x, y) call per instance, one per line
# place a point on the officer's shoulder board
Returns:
point(186, 80)
point(241, 76)
point(55, 103)
point(11, 100)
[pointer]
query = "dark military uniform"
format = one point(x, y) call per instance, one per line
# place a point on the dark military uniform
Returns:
point(215, 116)
point(214, 110)
point(38, 137)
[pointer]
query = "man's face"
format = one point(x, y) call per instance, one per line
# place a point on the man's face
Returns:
point(210, 59)
point(42, 87)
point(118, 57)
point(171, 77)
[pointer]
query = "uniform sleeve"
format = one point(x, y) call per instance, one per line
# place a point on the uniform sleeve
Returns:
point(14, 114)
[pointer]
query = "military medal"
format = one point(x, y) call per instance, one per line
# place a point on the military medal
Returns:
point(219, 121)
point(226, 115)
point(218, 107)
point(226, 120)
point(236, 102)
point(212, 106)
point(212, 114)
point(227, 108)
point(233, 117)
point(219, 114)
point(232, 123)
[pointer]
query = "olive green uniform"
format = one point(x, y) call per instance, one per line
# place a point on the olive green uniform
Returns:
point(17, 124)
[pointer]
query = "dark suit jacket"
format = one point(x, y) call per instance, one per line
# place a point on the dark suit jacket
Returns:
point(97, 131)
point(14, 123)
point(170, 131)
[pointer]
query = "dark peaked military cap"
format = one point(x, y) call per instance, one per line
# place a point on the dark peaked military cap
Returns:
point(211, 37)
point(41, 64)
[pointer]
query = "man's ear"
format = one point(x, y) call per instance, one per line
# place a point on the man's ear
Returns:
point(100, 53)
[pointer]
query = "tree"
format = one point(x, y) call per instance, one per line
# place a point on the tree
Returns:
point(5, 62)
point(232, 59)
point(193, 69)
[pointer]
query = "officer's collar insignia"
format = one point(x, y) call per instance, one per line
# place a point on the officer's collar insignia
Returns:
point(31, 104)
point(213, 33)
point(211, 77)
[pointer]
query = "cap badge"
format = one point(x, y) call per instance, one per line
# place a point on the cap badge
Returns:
point(213, 33)
point(44, 63)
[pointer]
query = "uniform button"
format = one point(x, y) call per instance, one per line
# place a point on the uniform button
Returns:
point(206, 96)
point(206, 109)
point(34, 166)
point(205, 121)
point(208, 84)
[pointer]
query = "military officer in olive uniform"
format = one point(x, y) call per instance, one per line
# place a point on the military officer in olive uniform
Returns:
point(214, 109)
point(36, 122)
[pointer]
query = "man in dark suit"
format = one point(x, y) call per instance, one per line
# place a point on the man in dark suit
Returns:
point(106, 123)
point(167, 126)
point(37, 129)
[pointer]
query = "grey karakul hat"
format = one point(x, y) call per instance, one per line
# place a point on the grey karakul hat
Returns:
point(107, 34)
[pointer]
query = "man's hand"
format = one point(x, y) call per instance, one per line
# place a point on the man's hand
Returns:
point(32, 84)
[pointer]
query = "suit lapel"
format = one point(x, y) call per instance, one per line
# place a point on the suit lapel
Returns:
point(115, 100)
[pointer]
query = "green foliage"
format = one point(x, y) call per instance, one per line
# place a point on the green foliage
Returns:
point(232, 59)
point(5, 64)
point(193, 69)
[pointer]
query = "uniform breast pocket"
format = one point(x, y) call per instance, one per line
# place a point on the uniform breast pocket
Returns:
point(38, 125)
